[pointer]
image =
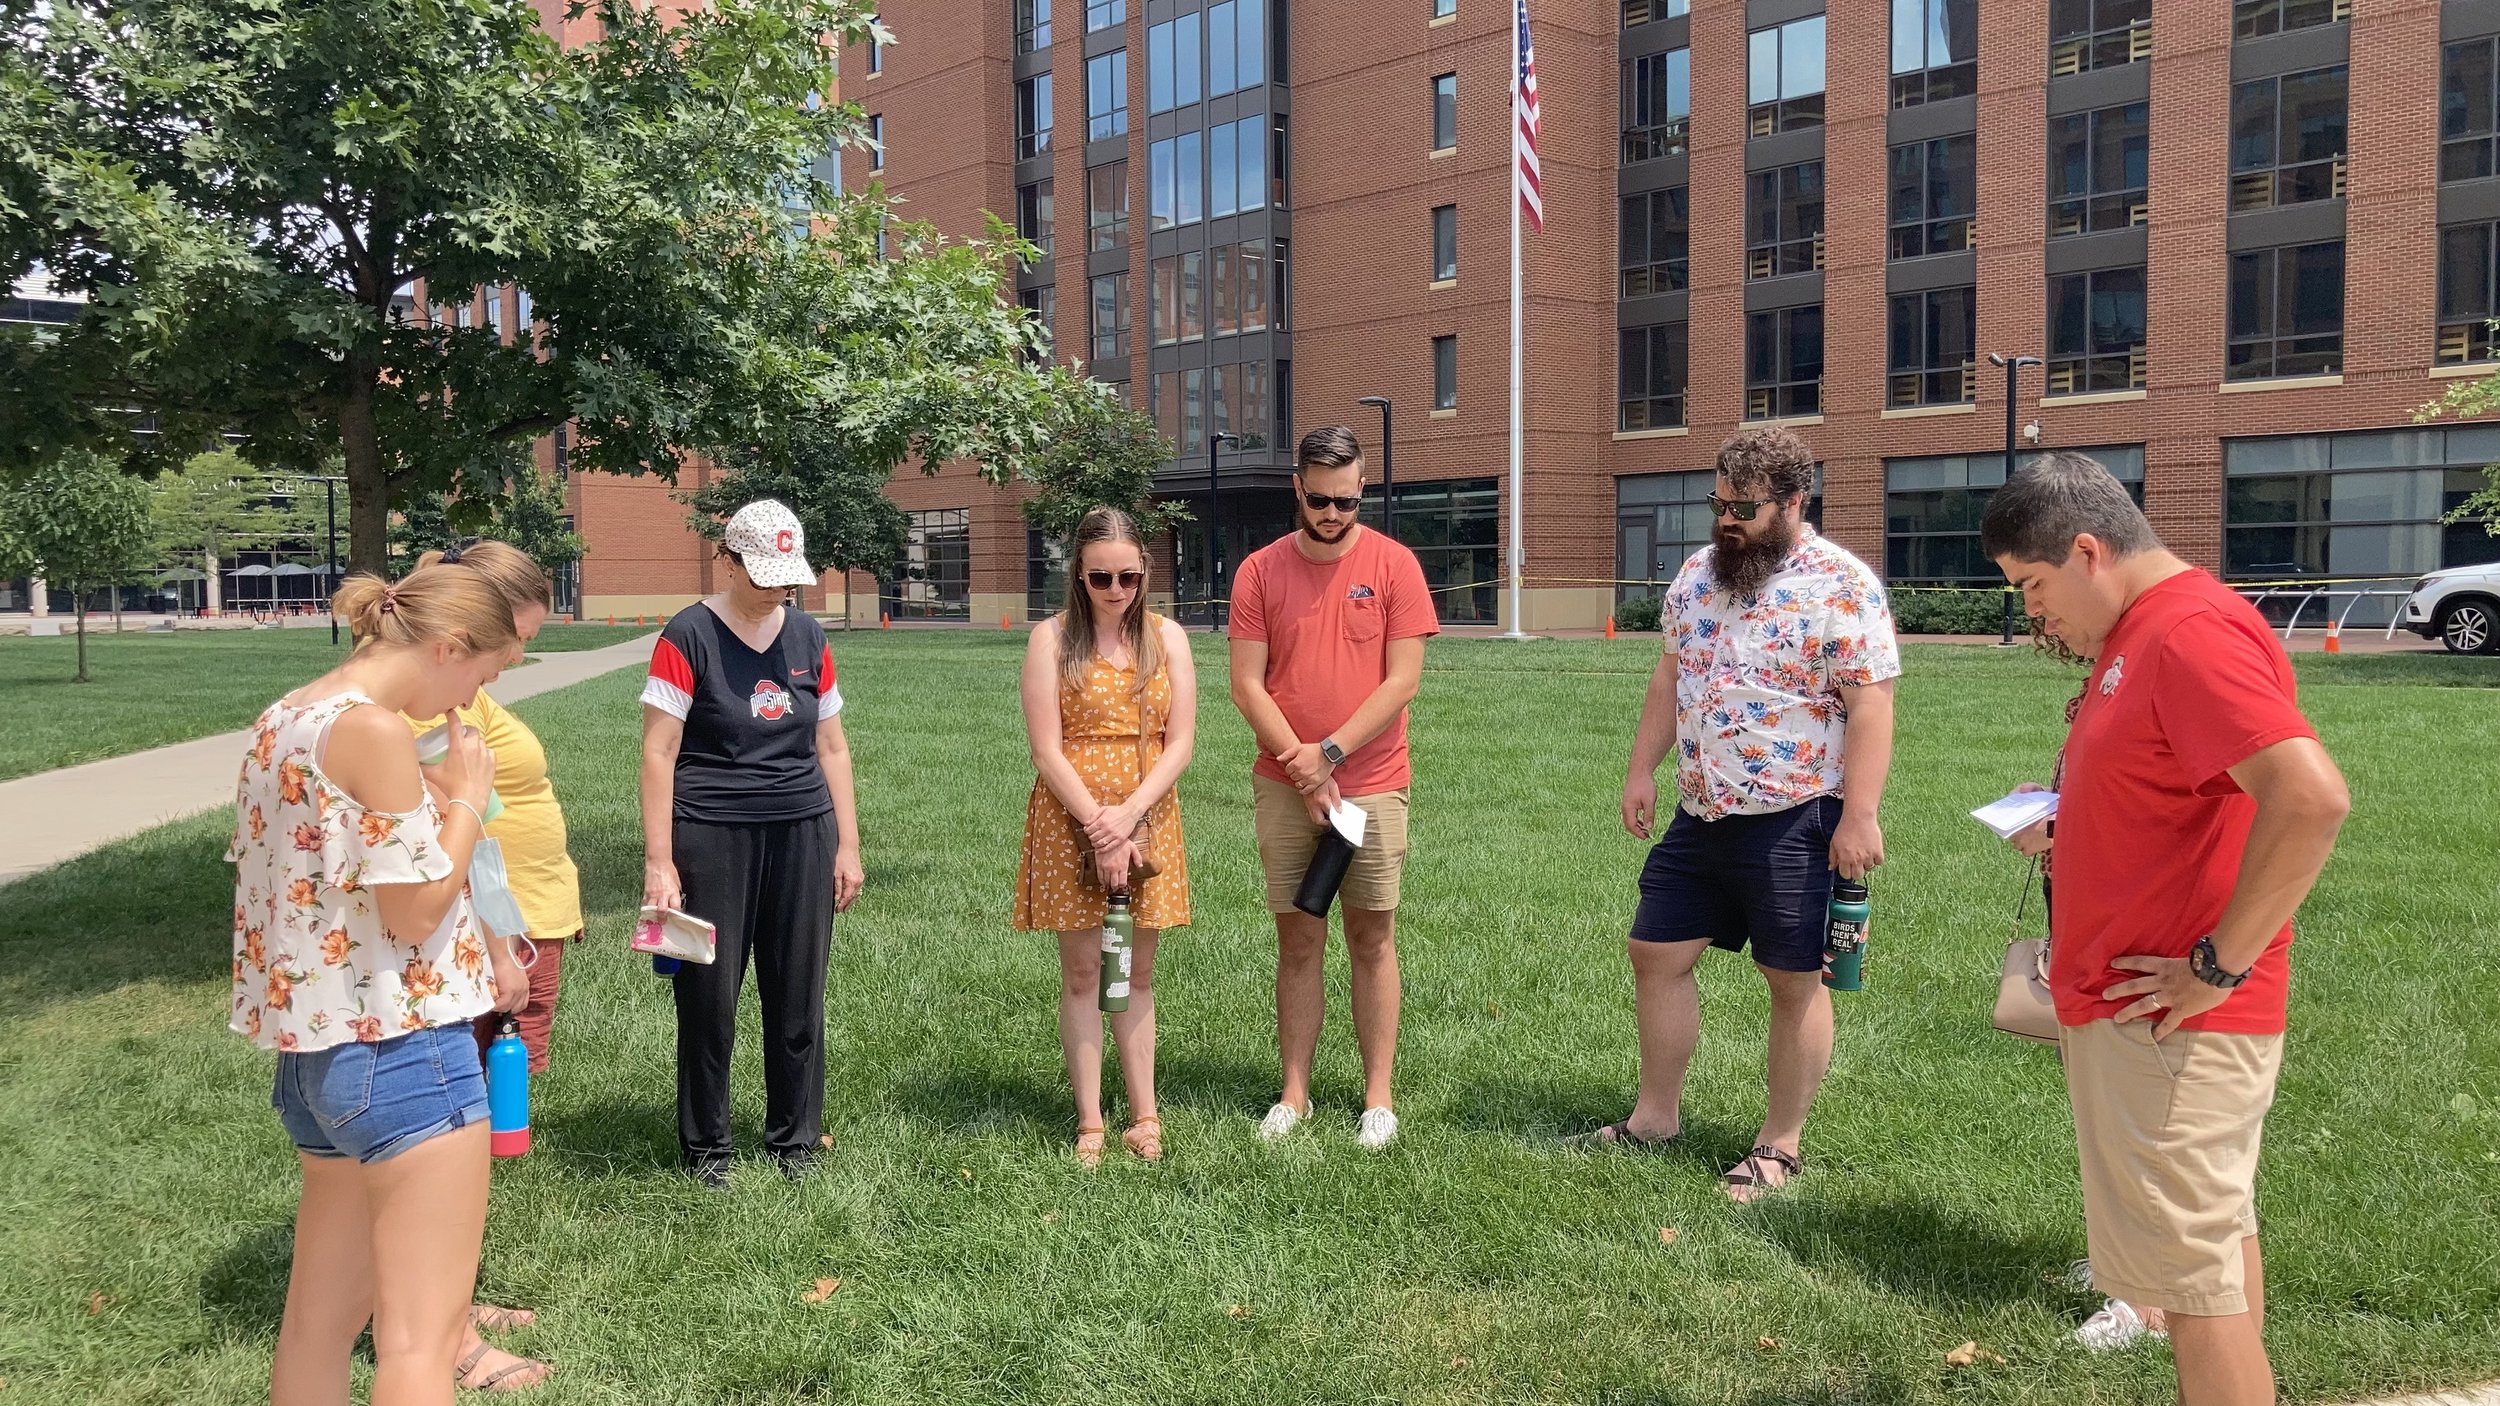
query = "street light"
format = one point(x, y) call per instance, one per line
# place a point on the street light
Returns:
point(2013, 372)
point(1388, 475)
point(1215, 539)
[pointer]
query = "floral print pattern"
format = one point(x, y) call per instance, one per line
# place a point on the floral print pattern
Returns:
point(1759, 718)
point(314, 966)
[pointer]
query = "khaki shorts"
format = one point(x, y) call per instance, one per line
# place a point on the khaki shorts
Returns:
point(1288, 836)
point(2168, 1135)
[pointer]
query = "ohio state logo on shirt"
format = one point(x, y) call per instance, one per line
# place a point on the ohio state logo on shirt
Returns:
point(770, 701)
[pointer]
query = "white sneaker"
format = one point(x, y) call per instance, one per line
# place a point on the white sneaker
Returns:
point(1378, 1128)
point(1280, 1122)
point(2114, 1329)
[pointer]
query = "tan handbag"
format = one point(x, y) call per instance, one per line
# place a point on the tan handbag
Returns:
point(2024, 1007)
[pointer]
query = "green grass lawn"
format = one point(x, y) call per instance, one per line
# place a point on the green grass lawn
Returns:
point(150, 690)
point(1475, 1261)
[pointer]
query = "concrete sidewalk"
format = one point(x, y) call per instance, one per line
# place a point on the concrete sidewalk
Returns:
point(55, 816)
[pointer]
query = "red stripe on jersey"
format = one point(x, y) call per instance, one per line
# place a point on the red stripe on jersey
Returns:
point(824, 672)
point(668, 664)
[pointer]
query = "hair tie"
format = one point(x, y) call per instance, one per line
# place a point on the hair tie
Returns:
point(452, 557)
point(387, 600)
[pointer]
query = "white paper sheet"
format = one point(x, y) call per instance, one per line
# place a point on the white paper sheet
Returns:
point(1348, 819)
point(2016, 813)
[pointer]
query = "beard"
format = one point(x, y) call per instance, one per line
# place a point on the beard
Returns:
point(1313, 529)
point(1744, 567)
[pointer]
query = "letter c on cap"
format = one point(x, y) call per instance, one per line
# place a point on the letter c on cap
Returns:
point(782, 541)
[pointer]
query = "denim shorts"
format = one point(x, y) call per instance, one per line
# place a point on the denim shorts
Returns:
point(1763, 879)
point(375, 1101)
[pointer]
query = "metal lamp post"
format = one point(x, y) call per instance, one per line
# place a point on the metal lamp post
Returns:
point(1388, 474)
point(2013, 374)
point(1215, 530)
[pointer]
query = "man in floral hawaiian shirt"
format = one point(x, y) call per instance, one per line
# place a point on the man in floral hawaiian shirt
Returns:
point(1776, 686)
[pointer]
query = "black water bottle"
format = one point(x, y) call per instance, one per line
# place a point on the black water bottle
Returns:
point(1321, 880)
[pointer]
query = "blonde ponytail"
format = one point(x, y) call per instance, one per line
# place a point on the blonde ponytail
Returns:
point(430, 605)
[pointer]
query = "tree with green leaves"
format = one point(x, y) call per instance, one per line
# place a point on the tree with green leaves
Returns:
point(218, 504)
point(2469, 400)
point(252, 207)
point(529, 514)
point(77, 522)
point(839, 496)
point(1100, 453)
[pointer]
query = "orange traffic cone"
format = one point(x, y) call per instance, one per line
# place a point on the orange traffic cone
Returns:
point(2335, 637)
point(1002, 621)
point(638, 619)
point(1610, 627)
point(611, 622)
point(885, 620)
point(568, 617)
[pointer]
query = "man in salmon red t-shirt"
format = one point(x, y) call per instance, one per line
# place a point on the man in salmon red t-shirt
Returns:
point(1328, 633)
point(2197, 809)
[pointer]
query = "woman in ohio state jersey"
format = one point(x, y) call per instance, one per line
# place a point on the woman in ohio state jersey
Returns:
point(748, 822)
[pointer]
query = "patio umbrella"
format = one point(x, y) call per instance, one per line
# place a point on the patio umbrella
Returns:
point(290, 569)
point(242, 571)
point(180, 573)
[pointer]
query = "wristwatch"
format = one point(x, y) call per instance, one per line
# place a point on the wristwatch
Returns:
point(1335, 754)
point(2203, 965)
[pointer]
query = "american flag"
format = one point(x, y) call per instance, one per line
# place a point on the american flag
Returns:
point(1523, 135)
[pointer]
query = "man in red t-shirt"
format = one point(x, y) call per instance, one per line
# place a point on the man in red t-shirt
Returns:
point(1328, 635)
point(2196, 812)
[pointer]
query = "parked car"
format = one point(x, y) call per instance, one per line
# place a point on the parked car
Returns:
point(2459, 607)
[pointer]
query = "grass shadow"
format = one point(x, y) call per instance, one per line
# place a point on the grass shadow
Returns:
point(1545, 1110)
point(244, 1288)
point(1222, 1086)
point(1922, 1250)
point(968, 1099)
point(616, 1138)
point(156, 907)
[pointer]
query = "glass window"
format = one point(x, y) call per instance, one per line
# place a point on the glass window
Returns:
point(1784, 77)
point(1102, 14)
point(1106, 206)
point(1173, 70)
point(1935, 50)
point(1163, 313)
point(494, 310)
point(1444, 242)
point(1930, 358)
point(1454, 528)
point(1110, 320)
point(1650, 369)
point(1252, 270)
point(1445, 373)
point(1035, 223)
point(876, 51)
point(2468, 76)
point(1190, 172)
point(1784, 220)
point(1652, 246)
point(1445, 112)
point(2287, 139)
point(1932, 508)
point(2285, 513)
point(1045, 573)
point(1251, 134)
point(1242, 406)
point(2099, 167)
point(1193, 296)
point(1443, 9)
point(933, 581)
point(2096, 332)
point(1657, 105)
point(1784, 363)
point(2286, 312)
point(1220, 73)
point(1106, 95)
point(1162, 185)
point(1224, 290)
point(1935, 196)
point(2252, 18)
point(1236, 45)
point(1043, 303)
point(1193, 412)
point(1033, 116)
point(2469, 294)
point(1032, 25)
point(1639, 12)
point(1223, 172)
point(2090, 34)
point(876, 141)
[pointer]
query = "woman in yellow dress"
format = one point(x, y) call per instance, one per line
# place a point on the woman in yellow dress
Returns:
point(1111, 709)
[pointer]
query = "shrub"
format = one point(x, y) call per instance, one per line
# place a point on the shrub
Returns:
point(1948, 611)
point(1638, 614)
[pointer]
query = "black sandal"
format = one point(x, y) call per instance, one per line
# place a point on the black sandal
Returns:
point(1748, 1174)
point(1618, 1134)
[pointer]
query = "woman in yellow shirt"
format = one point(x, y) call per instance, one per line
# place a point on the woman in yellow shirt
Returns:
point(530, 831)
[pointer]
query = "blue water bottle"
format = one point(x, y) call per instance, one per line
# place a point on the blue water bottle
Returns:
point(664, 965)
point(508, 1092)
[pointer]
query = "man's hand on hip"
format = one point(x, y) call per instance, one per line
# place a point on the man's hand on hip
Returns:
point(2170, 988)
point(1857, 847)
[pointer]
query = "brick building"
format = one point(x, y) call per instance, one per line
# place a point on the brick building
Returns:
point(2247, 241)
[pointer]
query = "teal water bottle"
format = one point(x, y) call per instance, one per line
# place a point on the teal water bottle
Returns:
point(1119, 935)
point(508, 1092)
point(1844, 936)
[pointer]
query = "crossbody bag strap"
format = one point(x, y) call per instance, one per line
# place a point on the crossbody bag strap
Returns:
point(2022, 906)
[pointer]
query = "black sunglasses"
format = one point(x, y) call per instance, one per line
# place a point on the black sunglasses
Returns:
point(1321, 502)
point(1741, 509)
point(1102, 580)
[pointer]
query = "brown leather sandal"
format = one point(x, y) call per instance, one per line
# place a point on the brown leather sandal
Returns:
point(501, 1380)
point(1144, 1138)
point(1750, 1175)
point(1089, 1144)
point(495, 1318)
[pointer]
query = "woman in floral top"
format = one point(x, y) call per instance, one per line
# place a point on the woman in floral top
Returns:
point(357, 959)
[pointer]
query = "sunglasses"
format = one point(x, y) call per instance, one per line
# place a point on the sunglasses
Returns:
point(1741, 509)
point(1321, 502)
point(1103, 580)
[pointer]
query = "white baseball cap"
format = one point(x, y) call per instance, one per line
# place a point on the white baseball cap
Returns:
point(767, 537)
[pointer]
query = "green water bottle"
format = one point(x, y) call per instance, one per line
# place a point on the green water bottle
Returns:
point(1119, 938)
point(1844, 936)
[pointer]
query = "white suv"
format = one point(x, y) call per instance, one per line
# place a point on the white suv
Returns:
point(2459, 607)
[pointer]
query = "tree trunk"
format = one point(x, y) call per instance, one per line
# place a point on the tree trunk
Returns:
point(82, 638)
point(216, 590)
point(368, 485)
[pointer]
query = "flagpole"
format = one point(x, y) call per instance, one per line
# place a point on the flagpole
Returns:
point(1518, 519)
